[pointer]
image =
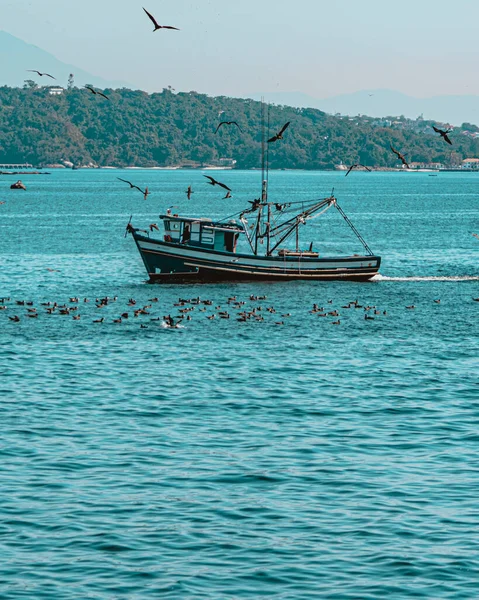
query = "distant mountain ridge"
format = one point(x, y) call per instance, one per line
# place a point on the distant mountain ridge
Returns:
point(16, 57)
point(382, 103)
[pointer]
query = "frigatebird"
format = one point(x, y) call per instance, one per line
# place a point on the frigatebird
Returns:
point(279, 135)
point(228, 123)
point(96, 92)
point(355, 167)
point(145, 192)
point(41, 74)
point(401, 157)
point(155, 23)
point(214, 182)
point(188, 192)
point(443, 134)
point(228, 195)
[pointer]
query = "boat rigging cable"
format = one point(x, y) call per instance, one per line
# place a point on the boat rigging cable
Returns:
point(358, 235)
point(288, 227)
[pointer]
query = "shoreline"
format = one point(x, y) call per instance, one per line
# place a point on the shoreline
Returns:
point(40, 171)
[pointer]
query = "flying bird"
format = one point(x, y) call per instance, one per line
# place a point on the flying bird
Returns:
point(355, 167)
point(145, 192)
point(279, 135)
point(443, 134)
point(154, 226)
point(41, 74)
point(401, 157)
point(155, 23)
point(96, 92)
point(476, 235)
point(228, 123)
point(188, 192)
point(228, 195)
point(214, 182)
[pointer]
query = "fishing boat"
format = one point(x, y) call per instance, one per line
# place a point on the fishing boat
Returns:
point(203, 250)
point(199, 249)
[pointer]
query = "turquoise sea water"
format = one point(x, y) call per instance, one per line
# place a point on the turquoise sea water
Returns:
point(230, 460)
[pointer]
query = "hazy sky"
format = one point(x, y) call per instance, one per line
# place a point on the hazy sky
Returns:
point(237, 47)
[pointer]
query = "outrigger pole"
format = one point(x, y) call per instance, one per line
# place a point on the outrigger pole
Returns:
point(288, 227)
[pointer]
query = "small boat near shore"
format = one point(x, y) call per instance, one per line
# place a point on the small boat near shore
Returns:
point(18, 186)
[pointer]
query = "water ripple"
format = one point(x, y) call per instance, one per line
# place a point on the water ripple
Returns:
point(229, 460)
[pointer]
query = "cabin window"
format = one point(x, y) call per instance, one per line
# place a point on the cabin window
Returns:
point(175, 228)
point(167, 226)
point(207, 236)
point(195, 232)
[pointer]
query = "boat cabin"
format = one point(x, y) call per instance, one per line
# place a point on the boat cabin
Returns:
point(202, 233)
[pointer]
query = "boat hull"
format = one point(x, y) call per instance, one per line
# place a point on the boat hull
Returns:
point(168, 262)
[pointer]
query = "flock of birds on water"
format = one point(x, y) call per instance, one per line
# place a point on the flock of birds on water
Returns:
point(253, 309)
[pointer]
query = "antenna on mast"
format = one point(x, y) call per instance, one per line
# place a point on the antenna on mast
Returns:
point(267, 158)
point(262, 140)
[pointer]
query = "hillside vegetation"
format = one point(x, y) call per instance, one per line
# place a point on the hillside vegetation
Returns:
point(134, 128)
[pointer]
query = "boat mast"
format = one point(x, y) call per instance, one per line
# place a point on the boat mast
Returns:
point(265, 190)
point(262, 144)
point(264, 177)
point(263, 200)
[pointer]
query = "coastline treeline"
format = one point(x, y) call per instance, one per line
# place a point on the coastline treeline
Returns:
point(134, 128)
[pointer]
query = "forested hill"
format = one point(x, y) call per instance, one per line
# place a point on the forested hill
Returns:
point(134, 128)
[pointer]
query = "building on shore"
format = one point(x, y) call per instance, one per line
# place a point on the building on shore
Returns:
point(223, 163)
point(435, 166)
point(470, 164)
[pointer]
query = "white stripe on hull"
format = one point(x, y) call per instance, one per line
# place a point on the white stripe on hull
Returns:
point(277, 265)
point(310, 274)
